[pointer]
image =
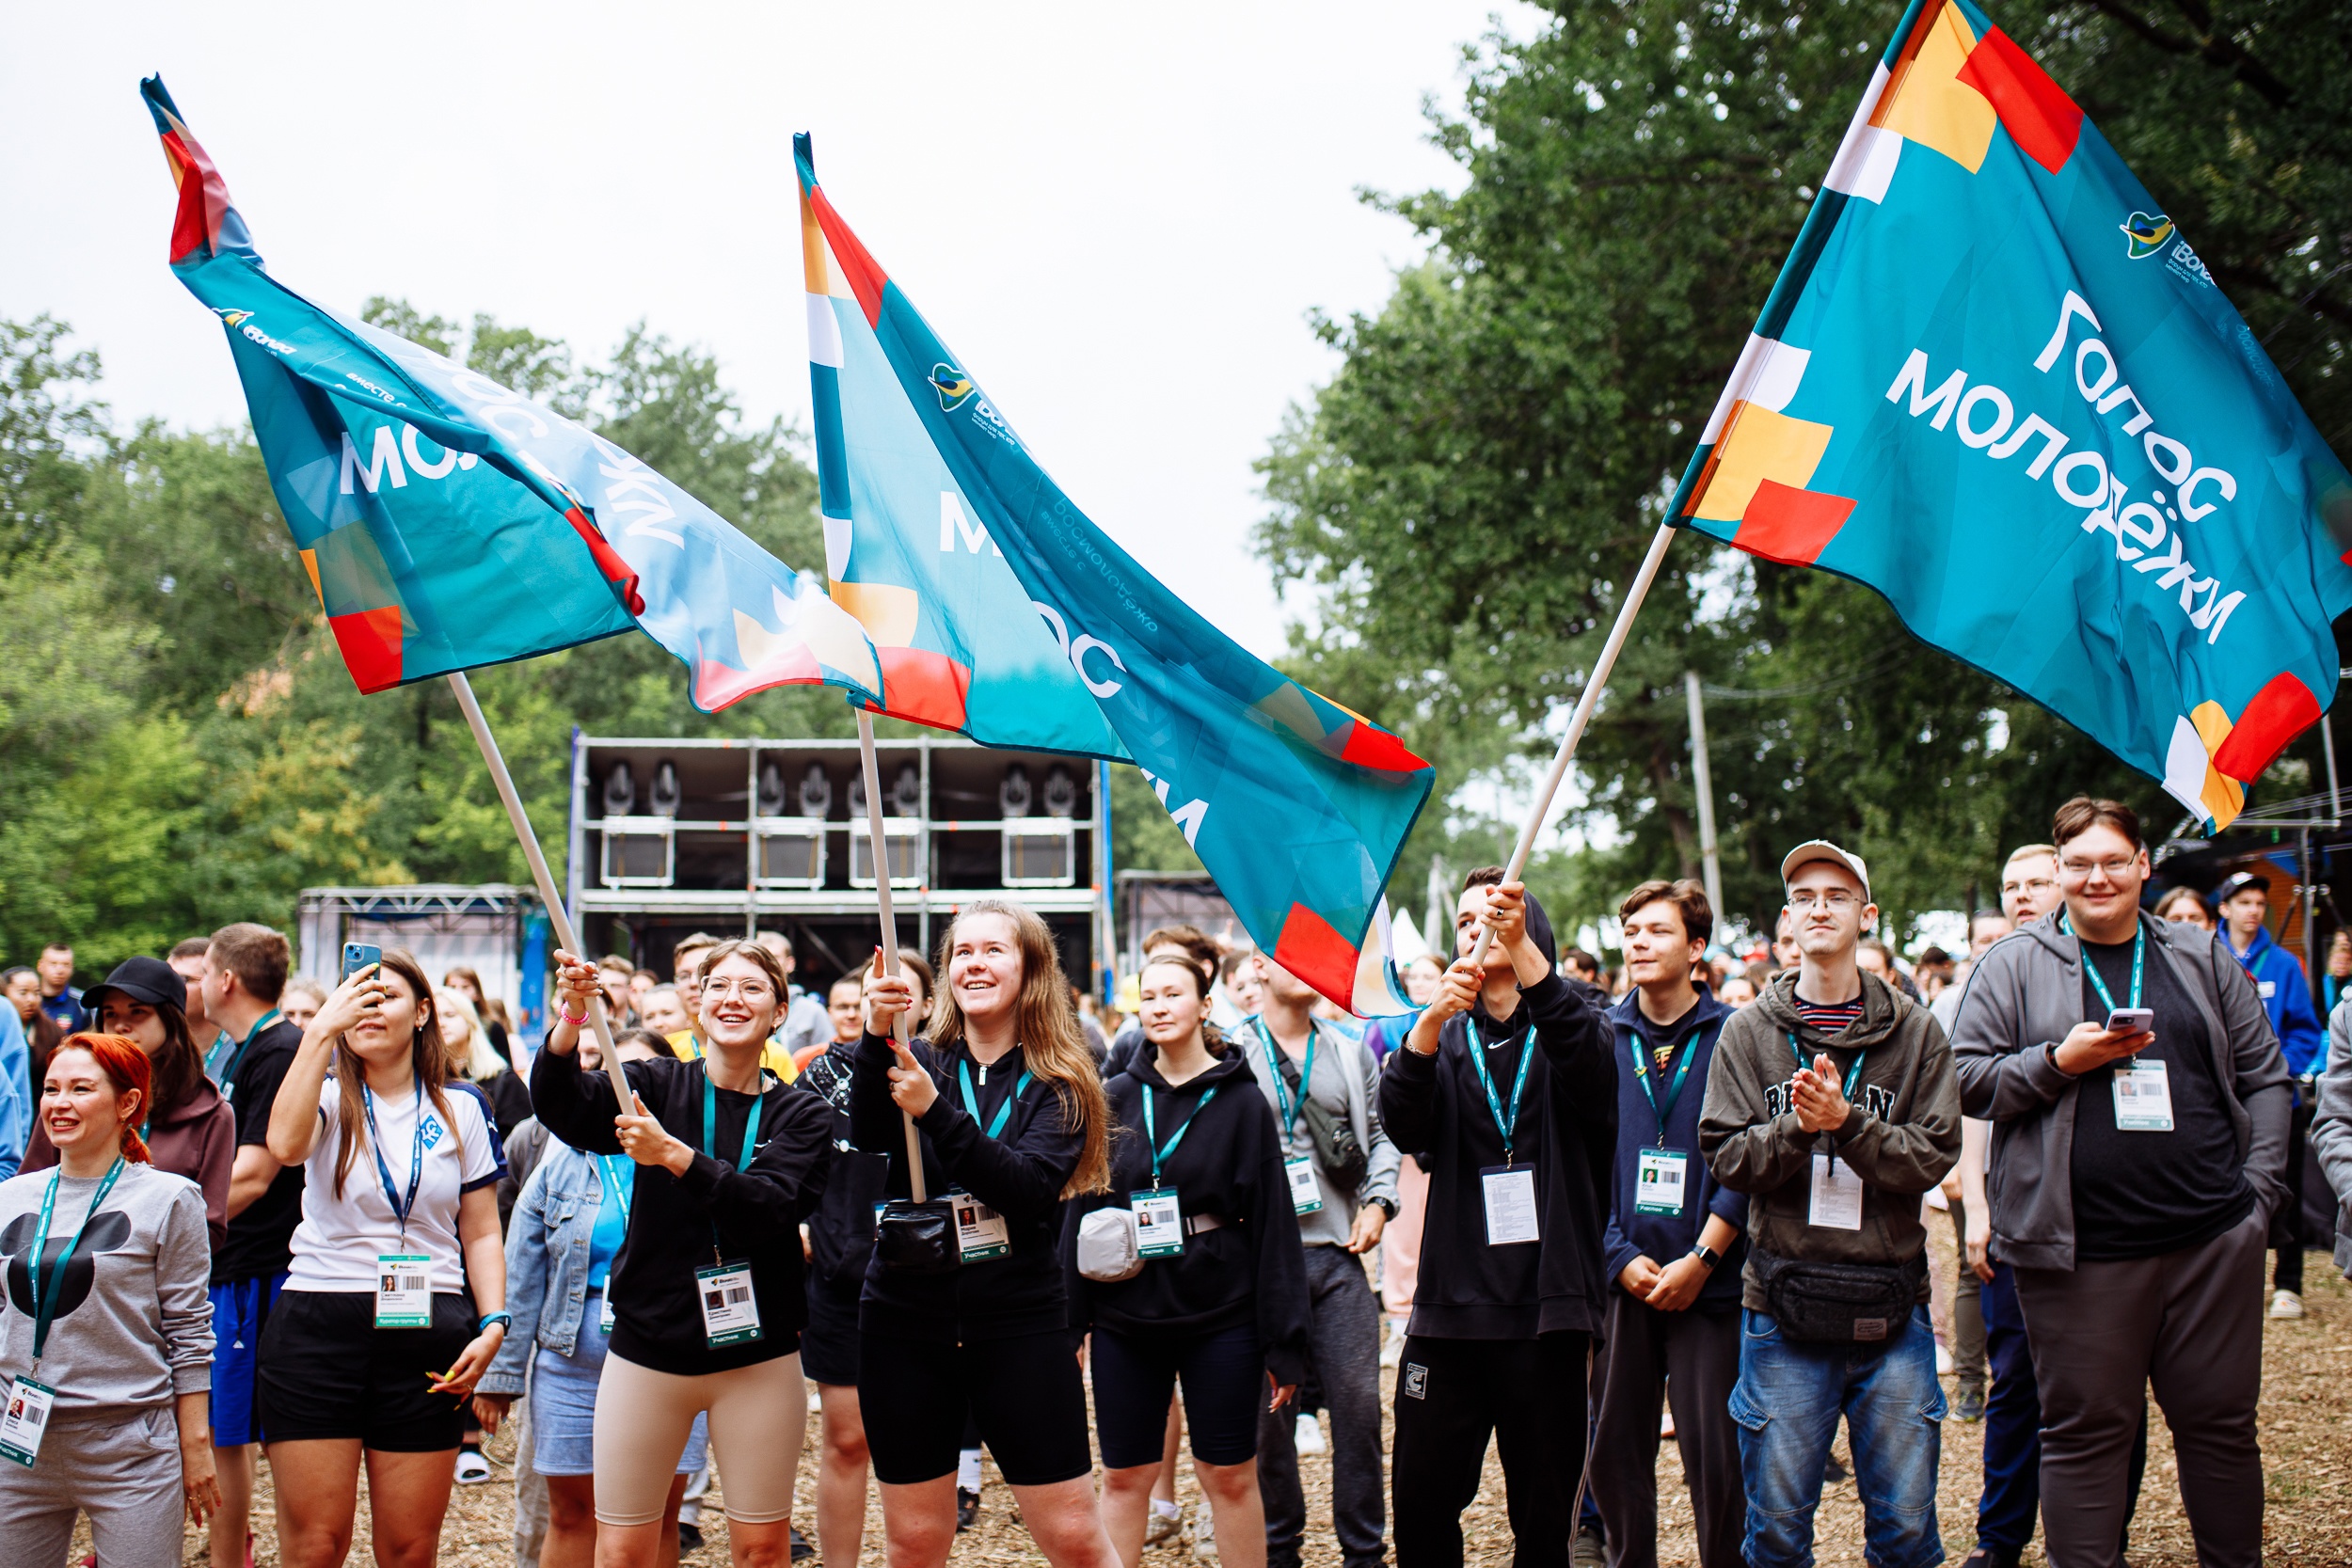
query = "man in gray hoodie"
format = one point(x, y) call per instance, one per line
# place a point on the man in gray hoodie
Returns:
point(1831, 1103)
point(2139, 1103)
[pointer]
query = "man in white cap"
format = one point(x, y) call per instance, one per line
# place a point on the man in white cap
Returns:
point(1832, 1105)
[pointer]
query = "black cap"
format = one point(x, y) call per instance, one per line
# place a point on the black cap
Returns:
point(149, 980)
point(2238, 884)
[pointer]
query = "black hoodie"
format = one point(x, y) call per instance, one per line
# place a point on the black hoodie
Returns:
point(1567, 1129)
point(1228, 1163)
point(1020, 1173)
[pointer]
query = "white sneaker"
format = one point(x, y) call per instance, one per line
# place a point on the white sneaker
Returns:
point(1204, 1532)
point(473, 1469)
point(2285, 1304)
point(1167, 1521)
point(1309, 1436)
point(1393, 1348)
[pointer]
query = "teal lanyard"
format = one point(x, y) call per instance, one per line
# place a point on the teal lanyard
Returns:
point(416, 1158)
point(2139, 959)
point(1152, 1130)
point(1290, 1112)
point(972, 1101)
point(227, 1077)
point(711, 1120)
point(1673, 1092)
point(1854, 1073)
point(609, 1169)
point(45, 1302)
point(1504, 1123)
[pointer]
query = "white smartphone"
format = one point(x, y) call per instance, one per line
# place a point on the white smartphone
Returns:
point(2131, 1021)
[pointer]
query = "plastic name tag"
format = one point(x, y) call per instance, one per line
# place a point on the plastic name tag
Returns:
point(1510, 1192)
point(1837, 1194)
point(730, 1307)
point(2267, 988)
point(981, 1233)
point(25, 1420)
point(1659, 1175)
point(1306, 1197)
point(403, 1291)
point(1159, 1222)
point(2144, 1097)
point(604, 1311)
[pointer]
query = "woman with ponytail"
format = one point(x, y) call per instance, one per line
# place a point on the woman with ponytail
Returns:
point(373, 1346)
point(106, 1336)
point(1012, 1123)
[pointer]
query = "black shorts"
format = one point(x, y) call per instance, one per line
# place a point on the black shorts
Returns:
point(829, 1343)
point(1135, 1375)
point(327, 1371)
point(1024, 1393)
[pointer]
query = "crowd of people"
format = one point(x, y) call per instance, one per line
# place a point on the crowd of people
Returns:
point(356, 1228)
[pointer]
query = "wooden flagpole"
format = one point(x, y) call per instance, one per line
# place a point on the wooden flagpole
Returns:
point(1582, 716)
point(889, 920)
point(557, 916)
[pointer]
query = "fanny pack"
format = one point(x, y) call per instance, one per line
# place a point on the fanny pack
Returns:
point(1839, 1304)
point(1342, 1158)
point(917, 1238)
point(1108, 1247)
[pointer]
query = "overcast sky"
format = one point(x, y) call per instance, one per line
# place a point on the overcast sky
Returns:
point(1119, 216)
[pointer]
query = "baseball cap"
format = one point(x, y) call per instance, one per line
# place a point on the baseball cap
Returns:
point(2237, 885)
point(149, 980)
point(1823, 850)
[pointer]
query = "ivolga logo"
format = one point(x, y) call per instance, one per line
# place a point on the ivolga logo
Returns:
point(233, 318)
point(2146, 234)
point(955, 389)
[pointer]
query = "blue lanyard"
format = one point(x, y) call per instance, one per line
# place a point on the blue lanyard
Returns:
point(1291, 1112)
point(227, 1077)
point(1854, 1073)
point(2140, 958)
point(1151, 1131)
point(1485, 1081)
point(416, 1158)
point(711, 1120)
point(45, 1302)
point(609, 1168)
point(971, 1103)
point(1642, 1076)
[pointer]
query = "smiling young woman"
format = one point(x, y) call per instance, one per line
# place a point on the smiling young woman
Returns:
point(1013, 1121)
point(109, 1346)
point(373, 1346)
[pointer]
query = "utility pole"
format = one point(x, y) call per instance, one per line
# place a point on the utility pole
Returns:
point(1712, 863)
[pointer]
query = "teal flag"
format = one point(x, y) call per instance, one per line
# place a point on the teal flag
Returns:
point(1995, 383)
point(999, 610)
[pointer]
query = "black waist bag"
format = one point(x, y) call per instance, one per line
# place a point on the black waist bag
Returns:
point(1839, 1304)
point(917, 1238)
point(1333, 1135)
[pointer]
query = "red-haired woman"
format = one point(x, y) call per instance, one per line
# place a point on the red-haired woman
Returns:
point(106, 1341)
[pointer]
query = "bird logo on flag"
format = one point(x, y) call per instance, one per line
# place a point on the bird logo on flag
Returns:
point(955, 389)
point(2146, 234)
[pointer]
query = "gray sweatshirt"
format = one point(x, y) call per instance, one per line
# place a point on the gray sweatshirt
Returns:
point(133, 1326)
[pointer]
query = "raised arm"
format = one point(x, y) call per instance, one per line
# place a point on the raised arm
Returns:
point(1021, 1178)
point(294, 1116)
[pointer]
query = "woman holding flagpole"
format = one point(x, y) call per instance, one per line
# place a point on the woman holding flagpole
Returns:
point(707, 1293)
point(1012, 1121)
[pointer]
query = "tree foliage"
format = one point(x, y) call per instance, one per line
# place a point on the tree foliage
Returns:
point(1471, 494)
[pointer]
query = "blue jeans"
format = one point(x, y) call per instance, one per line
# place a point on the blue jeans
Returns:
point(1788, 1401)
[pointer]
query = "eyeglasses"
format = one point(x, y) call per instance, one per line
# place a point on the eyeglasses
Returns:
point(2118, 866)
point(1837, 900)
point(750, 990)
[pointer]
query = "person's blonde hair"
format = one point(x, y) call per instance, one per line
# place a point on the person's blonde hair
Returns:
point(479, 1060)
point(1052, 1046)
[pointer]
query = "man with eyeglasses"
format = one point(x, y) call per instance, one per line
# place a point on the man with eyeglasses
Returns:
point(2139, 1108)
point(1831, 1103)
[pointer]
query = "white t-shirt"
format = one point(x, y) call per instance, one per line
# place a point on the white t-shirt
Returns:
point(336, 1245)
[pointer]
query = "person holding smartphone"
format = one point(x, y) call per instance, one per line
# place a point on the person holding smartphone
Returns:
point(373, 1346)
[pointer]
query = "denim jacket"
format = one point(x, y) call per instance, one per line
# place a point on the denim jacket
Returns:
point(547, 1263)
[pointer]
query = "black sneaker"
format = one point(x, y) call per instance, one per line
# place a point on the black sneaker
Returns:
point(967, 1509)
point(1834, 1471)
point(801, 1551)
point(1990, 1557)
point(689, 1539)
point(1968, 1405)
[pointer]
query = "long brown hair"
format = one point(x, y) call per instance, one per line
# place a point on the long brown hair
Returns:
point(1052, 1047)
point(427, 1057)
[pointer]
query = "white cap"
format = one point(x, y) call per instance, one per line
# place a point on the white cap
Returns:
point(1823, 850)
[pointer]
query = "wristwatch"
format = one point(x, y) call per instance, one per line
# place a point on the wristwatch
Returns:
point(1387, 1206)
point(489, 1317)
point(1707, 1256)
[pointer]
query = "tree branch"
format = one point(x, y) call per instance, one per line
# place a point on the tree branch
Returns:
point(2217, 48)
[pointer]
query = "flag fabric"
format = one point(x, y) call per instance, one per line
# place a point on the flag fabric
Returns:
point(447, 522)
point(1995, 383)
point(1002, 612)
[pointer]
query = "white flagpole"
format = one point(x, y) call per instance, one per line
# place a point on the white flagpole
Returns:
point(889, 920)
point(1592, 687)
point(557, 915)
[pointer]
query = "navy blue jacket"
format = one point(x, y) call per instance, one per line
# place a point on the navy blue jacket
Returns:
point(1663, 1238)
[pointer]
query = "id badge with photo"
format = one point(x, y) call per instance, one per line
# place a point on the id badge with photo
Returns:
point(981, 1233)
point(1510, 1194)
point(403, 1291)
point(604, 1311)
point(25, 1420)
point(1837, 1194)
point(1159, 1222)
point(730, 1307)
point(2144, 1097)
point(1306, 1197)
point(1659, 1175)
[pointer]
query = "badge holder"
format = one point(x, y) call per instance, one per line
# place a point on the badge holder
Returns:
point(1661, 1177)
point(2143, 1096)
point(1836, 1203)
point(1510, 1194)
point(1159, 1222)
point(981, 1233)
point(1306, 1194)
point(403, 1291)
point(730, 1304)
point(26, 1420)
